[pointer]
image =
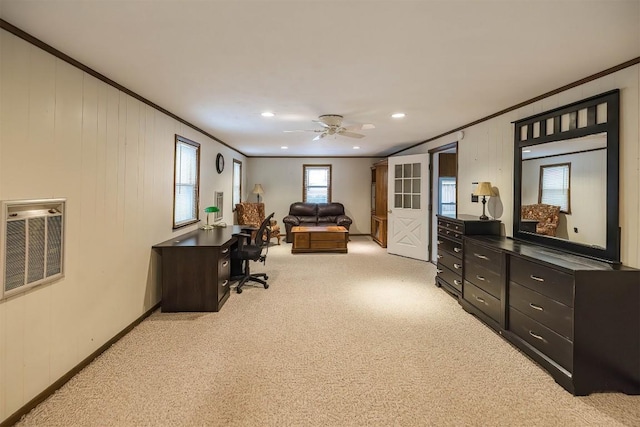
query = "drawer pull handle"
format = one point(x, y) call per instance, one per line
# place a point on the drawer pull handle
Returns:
point(224, 264)
point(481, 256)
point(539, 279)
point(225, 250)
point(439, 270)
point(536, 336)
point(457, 282)
point(225, 283)
point(480, 278)
point(457, 249)
point(457, 266)
point(438, 256)
point(536, 307)
point(480, 300)
point(439, 242)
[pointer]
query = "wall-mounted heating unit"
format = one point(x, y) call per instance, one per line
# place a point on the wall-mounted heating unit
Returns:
point(32, 242)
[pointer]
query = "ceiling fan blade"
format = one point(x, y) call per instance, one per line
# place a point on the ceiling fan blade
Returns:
point(319, 137)
point(323, 124)
point(364, 126)
point(302, 130)
point(350, 134)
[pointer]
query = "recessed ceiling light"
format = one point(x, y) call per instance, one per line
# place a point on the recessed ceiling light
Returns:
point(355, 147)
point(284, 147)
point(398, 115)
point(268, 114)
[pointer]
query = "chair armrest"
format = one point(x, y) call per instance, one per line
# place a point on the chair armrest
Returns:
point(291, 219)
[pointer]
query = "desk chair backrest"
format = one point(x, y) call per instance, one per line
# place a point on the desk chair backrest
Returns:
point(262, 236)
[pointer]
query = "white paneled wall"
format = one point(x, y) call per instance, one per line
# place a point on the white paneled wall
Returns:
point(281, 179)
point(486, 154)
point(66, 134)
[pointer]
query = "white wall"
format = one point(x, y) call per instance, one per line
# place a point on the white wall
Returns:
point(281, 179)
point(486, 154)
point(66, 134)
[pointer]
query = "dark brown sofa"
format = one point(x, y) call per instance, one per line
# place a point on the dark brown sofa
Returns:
point(315, 214)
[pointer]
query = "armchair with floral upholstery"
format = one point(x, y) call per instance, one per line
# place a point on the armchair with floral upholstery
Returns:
point(547, 216)
point(252, 214)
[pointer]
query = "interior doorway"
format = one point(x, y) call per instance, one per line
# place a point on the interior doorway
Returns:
point(443, 192)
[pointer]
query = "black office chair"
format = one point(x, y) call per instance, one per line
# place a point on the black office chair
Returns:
point(248, 251)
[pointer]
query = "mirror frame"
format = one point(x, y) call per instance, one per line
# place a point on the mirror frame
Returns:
point(611, 253)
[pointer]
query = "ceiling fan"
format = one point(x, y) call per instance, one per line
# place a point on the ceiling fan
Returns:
point(332, 124)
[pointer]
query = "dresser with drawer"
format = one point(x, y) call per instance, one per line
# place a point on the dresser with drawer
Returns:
point(450, 247)
point(577, 317)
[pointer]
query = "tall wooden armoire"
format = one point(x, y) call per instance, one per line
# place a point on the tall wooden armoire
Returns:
point(379, 202)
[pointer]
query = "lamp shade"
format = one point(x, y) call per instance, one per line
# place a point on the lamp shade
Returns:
point(484, 189)
point(211, 209)
point(257, 189)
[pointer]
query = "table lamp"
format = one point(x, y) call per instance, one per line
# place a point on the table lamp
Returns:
point(257, 189)
point(484, 189)
point(209, 210)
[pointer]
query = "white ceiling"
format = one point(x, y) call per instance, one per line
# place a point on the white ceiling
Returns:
point(219, 64)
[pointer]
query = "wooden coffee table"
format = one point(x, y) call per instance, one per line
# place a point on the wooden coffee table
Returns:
point(319, 239)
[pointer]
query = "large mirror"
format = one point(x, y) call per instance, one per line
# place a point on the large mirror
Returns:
point(566, 178)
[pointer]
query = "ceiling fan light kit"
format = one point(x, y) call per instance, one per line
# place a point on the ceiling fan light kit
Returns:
point(332, 124)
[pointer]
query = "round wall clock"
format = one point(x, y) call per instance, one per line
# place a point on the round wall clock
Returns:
point(219, 163)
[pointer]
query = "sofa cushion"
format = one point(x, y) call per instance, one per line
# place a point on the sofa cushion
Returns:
point(330, 209)
point(307, 219)
point(303, 209)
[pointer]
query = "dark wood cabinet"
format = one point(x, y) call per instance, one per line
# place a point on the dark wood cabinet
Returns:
point(577, 317)
point(450, 247)
point(379, 176)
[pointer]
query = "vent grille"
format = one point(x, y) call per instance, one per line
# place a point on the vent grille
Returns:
point(33, 244)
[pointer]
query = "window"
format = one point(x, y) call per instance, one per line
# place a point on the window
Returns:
point(236, 196)
point(186, 180)
point(447, 196)
point(317, 183)
point(555, 186)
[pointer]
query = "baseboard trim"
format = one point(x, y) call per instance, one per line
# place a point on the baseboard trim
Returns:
point(15, 417)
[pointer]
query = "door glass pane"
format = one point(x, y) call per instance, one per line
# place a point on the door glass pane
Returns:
point(416, 202)
point(407, 170)
point(416, 170)
point(406, 201)
point(398, 172)
point(398, 201)
point(407, 185)
point(398, 186)
point(416, 186)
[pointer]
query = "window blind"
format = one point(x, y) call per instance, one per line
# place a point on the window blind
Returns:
point(554, 186)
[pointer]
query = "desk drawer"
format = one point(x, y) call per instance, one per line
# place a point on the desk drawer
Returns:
point(484, 257)
point(544, 280)
point(482, 300)
point(544, 339)
point(450, 246)
point(452, 278)
point(450, 261)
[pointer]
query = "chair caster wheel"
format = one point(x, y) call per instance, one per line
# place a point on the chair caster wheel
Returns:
point(266, 286)
point(239, 290)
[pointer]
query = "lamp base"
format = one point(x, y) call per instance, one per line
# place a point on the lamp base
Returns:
point(207, 227)
point(484, 217)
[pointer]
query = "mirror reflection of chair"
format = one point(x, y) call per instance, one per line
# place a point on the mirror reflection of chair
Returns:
point(253, 249)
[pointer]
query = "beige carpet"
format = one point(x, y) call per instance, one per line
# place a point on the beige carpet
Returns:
point(363, 339)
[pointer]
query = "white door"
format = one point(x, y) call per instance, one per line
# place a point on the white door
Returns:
point(408, 215)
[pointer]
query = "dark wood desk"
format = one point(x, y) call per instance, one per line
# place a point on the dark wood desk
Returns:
point(197, 269)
